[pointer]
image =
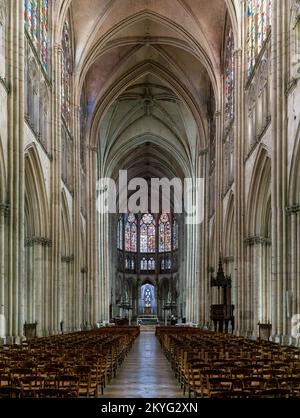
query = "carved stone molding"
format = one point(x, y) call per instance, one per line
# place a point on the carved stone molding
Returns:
point(228, 259)
point(293, 209)
point(203, 151)
point(3, 11)
point(89, 147)
point(67, 258)
point(44, 242)
point(256, 239)
point(296, 9)
point(4, 209)
point(58, 48)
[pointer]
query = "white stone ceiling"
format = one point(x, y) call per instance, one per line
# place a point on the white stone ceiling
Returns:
point(148, 67)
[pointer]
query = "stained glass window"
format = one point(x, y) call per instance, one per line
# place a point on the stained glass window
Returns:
point(37, 25)
point(147, 234)
point(175, 234)
point(144, 263)
point(66, 71)
point(131, 233)
point(44, 32)
point(259, 15)
point(120, 233)
point(129, 263)
point(148, 298)
point(229, 75)
point(166, 263)
point(164, 233)
point(151, 264)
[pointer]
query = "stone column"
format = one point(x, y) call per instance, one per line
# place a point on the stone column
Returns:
point(297, 269)
point(92, 236)
point(39, 250)
point(52, 289)
point(294, 273)
point(76, 217)
point(257, 280)
point(203, 290)
point(15, 166)
point(218, 185)
point(3, 216)
point(62, 316)
point(280, 14)
point(245, 325)
point(238, 279)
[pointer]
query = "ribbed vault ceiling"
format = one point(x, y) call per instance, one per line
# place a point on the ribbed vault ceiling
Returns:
point(148, 67)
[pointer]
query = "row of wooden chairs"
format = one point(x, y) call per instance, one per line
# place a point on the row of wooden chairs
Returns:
point(209, 364)
point(71, 365)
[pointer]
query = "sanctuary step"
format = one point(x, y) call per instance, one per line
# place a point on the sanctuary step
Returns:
point(148, 328)
point(147, 320)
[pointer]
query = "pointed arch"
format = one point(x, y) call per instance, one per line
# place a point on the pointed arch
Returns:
point(105, 99)
point(294, 181)
point(258, 244)
point(228, 245)
point(66, 226)
point(36, 201)
point(260, 194)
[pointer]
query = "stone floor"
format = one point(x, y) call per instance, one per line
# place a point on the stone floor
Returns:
point(145, 373)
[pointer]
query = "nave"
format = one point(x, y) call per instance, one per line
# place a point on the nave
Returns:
point(129, 362)
point(145, 372)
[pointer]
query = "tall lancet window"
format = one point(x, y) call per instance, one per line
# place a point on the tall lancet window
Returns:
point(165, 235)
point(259, 19)
point(175, 234)
point(229, 75)
point(147, 234)
point(66, 72)
point(36, 15)
point(120, 233)
point(130, 233)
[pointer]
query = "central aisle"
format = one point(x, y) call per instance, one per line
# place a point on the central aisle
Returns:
point(145, 373)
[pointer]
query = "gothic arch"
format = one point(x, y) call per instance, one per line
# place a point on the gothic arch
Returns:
point(260, 194)
point(2, 175)
point(36, 202)
point(66, 291)
point(294, 181)
point(36, 238)
point(229, 228)
point(105, 100)
point(258, 250)
point(66, 226)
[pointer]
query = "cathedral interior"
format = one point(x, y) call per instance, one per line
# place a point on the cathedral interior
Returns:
point(181, 89)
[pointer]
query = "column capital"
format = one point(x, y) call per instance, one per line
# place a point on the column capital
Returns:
point(256, 240)
point(237, 52)
point(44, 242)
point(58, 48)
point(3, 11)
point(203, 151)
point(94, 149)
point(4, 209)
point(67, 258)
point(293, 209)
